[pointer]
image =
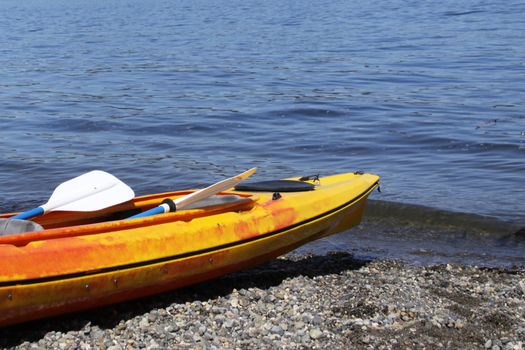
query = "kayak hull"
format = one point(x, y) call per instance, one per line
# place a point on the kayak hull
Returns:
point(53, 292)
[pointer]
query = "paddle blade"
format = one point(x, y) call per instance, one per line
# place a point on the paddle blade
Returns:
point(89, 192)
point(213, 189)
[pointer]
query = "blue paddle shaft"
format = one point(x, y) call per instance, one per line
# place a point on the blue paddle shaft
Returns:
point(157, 210)
point(29, 214)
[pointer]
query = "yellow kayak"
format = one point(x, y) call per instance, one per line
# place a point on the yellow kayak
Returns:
point(90, 259)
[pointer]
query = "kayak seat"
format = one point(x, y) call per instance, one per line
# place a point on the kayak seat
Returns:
point(15, 226)
point(276, 186)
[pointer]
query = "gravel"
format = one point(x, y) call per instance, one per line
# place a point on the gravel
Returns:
point(297, 302)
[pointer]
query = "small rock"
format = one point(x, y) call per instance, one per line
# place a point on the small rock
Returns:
point(509, 346)
point(38, 347)
point(277, 330)
point(458, 324)
point(317, 320)
point(299, 325)
point(152, 317)
point(522, 286)
point(144, 323)
point(315, 333)
point(114, 347)
point(153, 345)
point(234, 302)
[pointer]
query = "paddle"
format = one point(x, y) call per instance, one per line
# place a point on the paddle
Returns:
point(179, 203)
point(88, 192)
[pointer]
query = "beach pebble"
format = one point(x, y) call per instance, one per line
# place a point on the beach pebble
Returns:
point(277, 330)
point(144, 323)
point(315, 333)
point(522, 286)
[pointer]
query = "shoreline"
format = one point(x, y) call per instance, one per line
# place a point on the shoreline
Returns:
point(422, 236)
point(306, 301)
point(431, 216)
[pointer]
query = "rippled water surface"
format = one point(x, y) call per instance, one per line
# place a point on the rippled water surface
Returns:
point(166, 94)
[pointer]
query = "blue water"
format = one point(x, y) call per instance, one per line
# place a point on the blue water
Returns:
point(168, 94)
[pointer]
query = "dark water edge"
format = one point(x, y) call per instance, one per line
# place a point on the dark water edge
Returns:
point(423, 215)
point(422, 236)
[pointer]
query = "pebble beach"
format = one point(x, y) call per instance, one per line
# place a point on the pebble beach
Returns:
point(305, 301)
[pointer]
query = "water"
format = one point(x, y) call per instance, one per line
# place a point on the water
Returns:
point(170, 94)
